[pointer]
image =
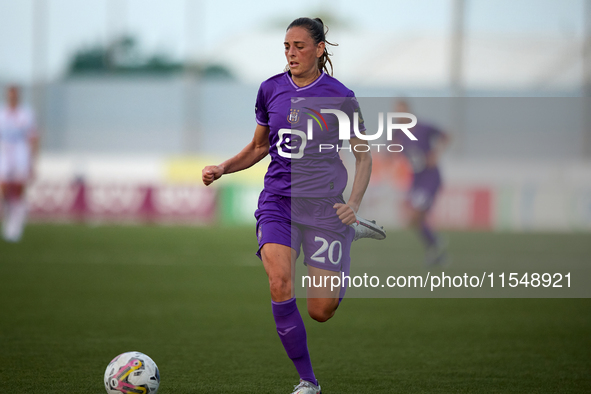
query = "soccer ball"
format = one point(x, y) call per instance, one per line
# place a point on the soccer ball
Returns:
point(133, 373)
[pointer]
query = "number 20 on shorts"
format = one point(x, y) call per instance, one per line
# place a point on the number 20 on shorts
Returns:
point(335, 247)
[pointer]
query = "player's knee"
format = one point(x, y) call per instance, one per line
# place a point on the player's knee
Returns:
point(321, 316)
point(415, 219)
point(280, 286)
point(321, 313)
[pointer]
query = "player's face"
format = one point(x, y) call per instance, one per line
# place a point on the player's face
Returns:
point(301, 52)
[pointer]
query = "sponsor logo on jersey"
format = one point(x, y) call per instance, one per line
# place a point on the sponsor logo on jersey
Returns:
point(291, 143)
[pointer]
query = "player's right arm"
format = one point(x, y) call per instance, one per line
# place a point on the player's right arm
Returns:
point(249, 156)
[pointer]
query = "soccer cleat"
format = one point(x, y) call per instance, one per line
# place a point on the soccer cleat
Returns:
point(368, 229)
point(306, 387)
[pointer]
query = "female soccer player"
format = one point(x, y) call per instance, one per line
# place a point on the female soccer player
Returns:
point(18, 146)
point(302, 204)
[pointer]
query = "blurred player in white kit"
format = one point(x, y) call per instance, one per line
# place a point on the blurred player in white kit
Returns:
point(18, 148)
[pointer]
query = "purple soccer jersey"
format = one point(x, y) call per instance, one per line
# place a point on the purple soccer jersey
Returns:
point(299, 168)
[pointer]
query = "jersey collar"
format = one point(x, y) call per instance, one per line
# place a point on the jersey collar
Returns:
point(299, 89)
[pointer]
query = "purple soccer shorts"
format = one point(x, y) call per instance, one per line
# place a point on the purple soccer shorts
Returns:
point(307, 224)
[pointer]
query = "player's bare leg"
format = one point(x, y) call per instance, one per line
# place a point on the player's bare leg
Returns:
point(416, 218)
point(279, 263)
point(322, 301)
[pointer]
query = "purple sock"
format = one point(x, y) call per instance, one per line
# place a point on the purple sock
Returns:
point(292, 333)
point(427, 234)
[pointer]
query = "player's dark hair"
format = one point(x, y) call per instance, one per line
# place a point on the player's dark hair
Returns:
point(317, 31)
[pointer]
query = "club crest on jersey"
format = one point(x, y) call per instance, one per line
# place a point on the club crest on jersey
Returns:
point(294, 116)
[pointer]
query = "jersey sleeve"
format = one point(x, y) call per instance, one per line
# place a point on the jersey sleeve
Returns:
point(260, 108)
point(351, 107)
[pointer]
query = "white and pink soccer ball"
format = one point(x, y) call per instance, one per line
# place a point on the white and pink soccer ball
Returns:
point(133, 373)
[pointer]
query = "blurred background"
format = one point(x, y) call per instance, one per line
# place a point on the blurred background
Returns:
point(134, 97)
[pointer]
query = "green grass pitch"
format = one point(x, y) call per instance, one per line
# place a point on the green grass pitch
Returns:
point(196, 300)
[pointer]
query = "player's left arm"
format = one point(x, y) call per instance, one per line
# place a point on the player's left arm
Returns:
point(347, 212)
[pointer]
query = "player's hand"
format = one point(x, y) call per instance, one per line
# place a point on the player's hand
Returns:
point(345, 213)
point(210, 174)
